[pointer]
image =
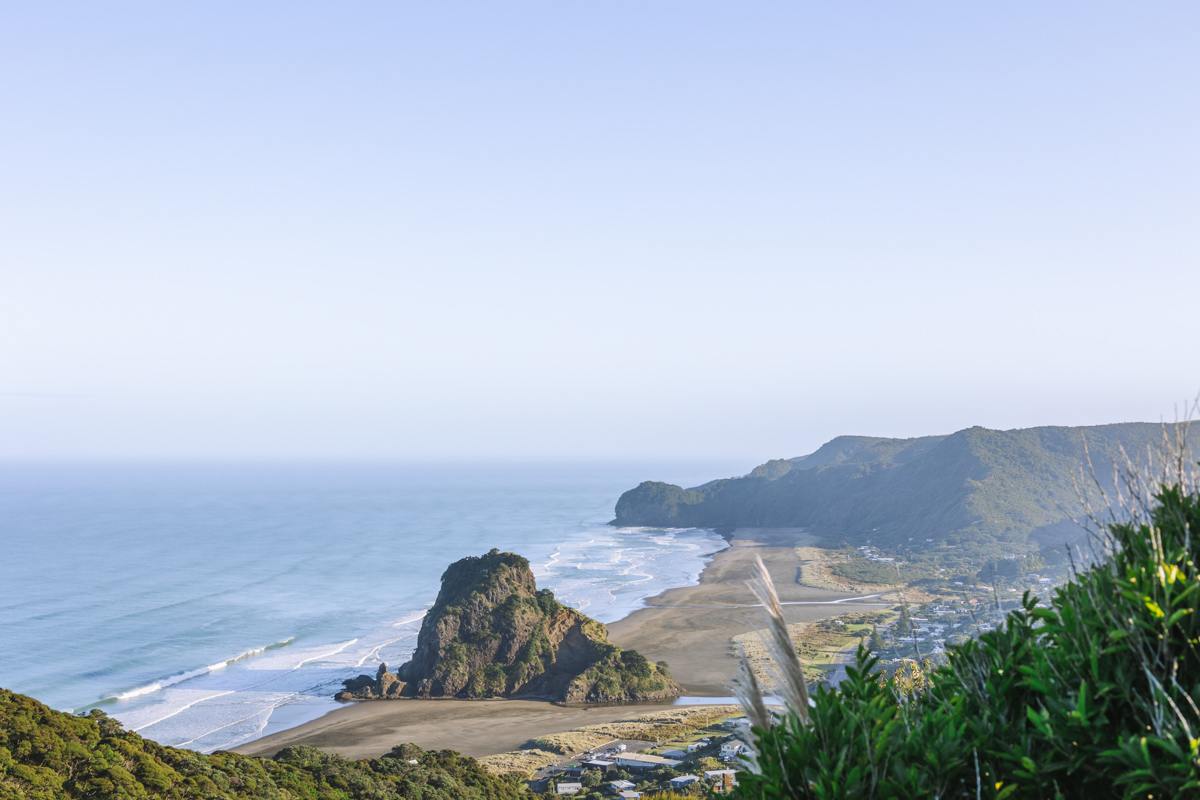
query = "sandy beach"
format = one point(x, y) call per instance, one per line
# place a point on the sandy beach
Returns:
point(688, 627)
point(472, 727)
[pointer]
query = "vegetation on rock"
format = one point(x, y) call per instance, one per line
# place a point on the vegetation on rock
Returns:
point(493, 633)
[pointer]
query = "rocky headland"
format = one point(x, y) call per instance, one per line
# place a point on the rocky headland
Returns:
point(493, 633)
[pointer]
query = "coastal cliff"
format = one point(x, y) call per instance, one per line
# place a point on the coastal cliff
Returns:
point(982, 493)
point(493, 633)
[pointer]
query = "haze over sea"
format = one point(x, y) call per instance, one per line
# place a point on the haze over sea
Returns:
point(206, 605)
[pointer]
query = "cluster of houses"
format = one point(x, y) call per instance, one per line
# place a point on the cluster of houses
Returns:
point(869, 554)
point(719, 780)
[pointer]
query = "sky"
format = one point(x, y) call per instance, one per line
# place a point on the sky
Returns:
point(585, 230)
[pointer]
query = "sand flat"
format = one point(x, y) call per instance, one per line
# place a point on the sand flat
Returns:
point(472, 727)
point(690, 628)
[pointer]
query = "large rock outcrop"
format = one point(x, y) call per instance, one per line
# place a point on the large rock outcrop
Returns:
point(492, 633)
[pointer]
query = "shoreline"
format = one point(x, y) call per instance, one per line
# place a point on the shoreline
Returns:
point(690, 627)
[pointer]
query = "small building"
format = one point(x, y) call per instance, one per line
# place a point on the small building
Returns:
point(570, 788)
point(730, 750)
point(722, 780)
point(683, 780)
point(676, 754)
point(629, 794)
point(622, 786)
point(694, 746)
point(598, 763)
point(645, 761)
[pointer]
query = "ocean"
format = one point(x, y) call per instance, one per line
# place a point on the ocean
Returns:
point(206, 605)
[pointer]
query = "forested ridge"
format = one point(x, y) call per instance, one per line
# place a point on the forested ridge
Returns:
point(986, 493)
point(47, 754)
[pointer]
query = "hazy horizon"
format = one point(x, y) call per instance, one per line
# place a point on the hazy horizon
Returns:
point(543, 232)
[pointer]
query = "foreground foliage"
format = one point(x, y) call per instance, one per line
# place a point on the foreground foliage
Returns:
point(1095, 696)
point(47, 754)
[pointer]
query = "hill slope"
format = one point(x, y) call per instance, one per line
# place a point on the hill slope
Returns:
point(47, 754)
point(988, 491)
point(492, 633)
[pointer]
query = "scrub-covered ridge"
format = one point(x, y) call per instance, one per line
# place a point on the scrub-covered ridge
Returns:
point(47, 754)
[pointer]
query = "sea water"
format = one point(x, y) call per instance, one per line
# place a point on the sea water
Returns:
point(207, 605)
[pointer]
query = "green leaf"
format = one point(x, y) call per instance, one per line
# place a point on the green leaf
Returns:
point(1178, 615)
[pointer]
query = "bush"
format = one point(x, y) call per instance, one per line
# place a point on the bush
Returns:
point(47, 754)
point(1095, 695)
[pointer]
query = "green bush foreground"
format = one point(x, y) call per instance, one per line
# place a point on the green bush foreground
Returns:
point(1095, 696)
point(47, 754)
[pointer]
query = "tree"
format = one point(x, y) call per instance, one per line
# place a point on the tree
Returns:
point(876, 641)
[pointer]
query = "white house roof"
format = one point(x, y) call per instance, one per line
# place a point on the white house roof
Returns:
point(644, 758)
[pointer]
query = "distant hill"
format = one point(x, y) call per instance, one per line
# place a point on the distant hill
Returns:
point(492, 633)
point(984, 491)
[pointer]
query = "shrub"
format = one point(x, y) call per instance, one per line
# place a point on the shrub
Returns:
point(1095, 694)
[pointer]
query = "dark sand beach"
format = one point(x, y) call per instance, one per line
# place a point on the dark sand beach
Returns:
point(690, 628)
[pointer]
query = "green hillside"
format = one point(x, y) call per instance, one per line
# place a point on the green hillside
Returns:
point(46, 754)
point(1086, 694)
point(986, 492)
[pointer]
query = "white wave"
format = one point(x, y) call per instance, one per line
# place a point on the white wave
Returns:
point(159, 685)
point(608, 573)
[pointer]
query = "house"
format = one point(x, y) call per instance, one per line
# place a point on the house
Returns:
point(629, 795)
point(644, 761)
point(598, 763)
point(715, 774)
point(694, 746)
point(722, 780)
point(683, 780)
point(730, 750)
point(677, 754)
point(622, 786)
point(570, 788)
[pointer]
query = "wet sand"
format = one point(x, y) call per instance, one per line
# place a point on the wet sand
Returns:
point(689, 628)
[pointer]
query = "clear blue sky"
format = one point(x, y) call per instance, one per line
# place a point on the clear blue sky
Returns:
point(589, 229)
